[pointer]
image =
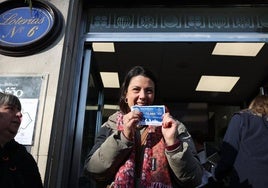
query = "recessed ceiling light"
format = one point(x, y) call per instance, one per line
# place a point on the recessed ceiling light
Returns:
point(96, 107)
point(237, 49)
point(103, 47)
point(111, 107)
point(110, 79)
point(216, 83)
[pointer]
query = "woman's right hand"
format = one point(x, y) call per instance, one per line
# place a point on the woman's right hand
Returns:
point(131, 120)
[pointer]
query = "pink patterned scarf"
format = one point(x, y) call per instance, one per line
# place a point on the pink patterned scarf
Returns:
point(154, 172)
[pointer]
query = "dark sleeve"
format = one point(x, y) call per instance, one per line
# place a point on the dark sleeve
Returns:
point(229, 148)
point(29, 169)
point(107, 155)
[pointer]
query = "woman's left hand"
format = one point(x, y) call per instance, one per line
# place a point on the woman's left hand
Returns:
point(169, 129)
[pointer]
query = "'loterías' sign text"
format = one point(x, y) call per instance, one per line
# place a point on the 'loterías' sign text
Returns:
point(26, 30)
point(21, 26)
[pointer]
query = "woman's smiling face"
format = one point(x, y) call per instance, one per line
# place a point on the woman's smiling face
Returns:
point(141, 91)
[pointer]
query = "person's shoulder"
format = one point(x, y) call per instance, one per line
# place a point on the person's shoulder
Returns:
point(246, 113)
point(243, 118)
point(182, 128)
point(112, 121)
point(241, 113)
point(14, 145)
point(18, 151)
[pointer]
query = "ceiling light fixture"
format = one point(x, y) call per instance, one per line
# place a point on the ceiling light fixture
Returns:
point(216, 83)
point(111, 107)
point(110, 79)
point(237, 49)
point(103, 47)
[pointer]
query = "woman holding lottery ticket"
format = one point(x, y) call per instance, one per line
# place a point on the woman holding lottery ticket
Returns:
point(129, 152)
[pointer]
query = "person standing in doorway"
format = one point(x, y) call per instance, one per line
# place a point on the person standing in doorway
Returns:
point(128, 155)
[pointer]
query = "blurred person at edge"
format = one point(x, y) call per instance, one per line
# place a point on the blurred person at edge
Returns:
point(244, 151)
point(18, 168)
point(202, 153)
point(126, 155)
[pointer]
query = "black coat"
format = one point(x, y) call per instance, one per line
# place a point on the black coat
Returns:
point(244, 152)
point(18, 168)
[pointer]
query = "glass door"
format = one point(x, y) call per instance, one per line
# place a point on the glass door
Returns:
point(88, 119)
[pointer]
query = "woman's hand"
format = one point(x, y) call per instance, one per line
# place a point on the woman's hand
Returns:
point(130, 121)
point(169, 129)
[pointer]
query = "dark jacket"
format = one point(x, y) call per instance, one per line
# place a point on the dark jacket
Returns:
point(244, 153)
point(18, 168)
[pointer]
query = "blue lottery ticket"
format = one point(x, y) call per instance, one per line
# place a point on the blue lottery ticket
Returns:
point(152, 115)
